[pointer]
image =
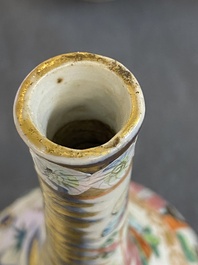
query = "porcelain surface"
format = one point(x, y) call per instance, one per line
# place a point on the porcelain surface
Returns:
point(158, 233)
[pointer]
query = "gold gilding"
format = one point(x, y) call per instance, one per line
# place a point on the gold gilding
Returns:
point(39, 141)
point(34, 253)
point(66, 225)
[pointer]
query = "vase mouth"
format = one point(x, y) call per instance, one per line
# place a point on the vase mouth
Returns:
point(37, 114)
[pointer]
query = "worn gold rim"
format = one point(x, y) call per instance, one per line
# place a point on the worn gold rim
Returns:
point(43, 145)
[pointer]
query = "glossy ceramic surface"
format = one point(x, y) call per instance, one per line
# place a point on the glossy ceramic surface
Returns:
point(85, 190)
point(158, 234)
point(92, 214)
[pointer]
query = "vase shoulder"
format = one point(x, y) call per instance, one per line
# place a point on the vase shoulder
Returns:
point(158, 233)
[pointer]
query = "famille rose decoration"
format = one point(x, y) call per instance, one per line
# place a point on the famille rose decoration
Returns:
point(80, 115)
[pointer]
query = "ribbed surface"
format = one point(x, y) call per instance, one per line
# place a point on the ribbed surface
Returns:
point(87, 228)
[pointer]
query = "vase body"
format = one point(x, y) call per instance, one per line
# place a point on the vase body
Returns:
point(80, 115)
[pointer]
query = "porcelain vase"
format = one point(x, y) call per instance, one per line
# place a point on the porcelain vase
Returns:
point(80, 115)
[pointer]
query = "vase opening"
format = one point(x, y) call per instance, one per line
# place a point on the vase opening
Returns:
point(83, 134)
point(80, 105)
point(79, 108)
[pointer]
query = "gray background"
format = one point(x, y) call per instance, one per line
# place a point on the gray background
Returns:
point(157, 40)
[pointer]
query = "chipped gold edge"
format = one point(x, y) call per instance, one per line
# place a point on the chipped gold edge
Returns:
point(46, 148)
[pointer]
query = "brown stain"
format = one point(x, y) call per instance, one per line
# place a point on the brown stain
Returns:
point(59, 80)
point(121, 71)
point(116, 141)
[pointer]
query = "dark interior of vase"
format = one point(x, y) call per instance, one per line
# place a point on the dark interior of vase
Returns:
point(83, 134)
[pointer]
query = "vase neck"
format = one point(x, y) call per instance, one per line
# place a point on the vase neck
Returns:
point(85, 214)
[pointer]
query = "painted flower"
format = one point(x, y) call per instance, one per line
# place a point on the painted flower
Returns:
point(61, 179)
point(115, 174)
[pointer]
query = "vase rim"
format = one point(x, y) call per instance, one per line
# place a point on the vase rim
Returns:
point(47, 149)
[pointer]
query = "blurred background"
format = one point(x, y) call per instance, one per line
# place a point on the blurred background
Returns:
point(156, 39)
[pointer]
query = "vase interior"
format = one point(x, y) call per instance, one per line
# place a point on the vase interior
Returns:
point(85, 93)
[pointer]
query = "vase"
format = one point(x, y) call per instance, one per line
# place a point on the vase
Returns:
point(80, 115)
